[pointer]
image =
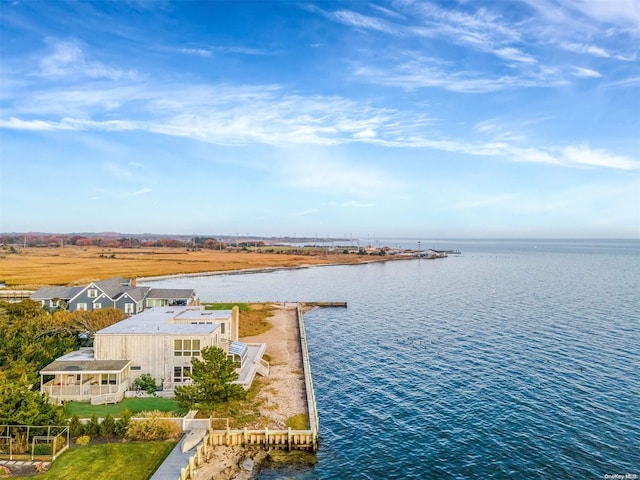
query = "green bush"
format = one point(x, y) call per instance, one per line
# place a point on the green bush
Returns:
point(92, 427)
point(42, 449)
point(123, 423)
point(147, 383)
point(76, 427)
point(83, 440)
point(108, 426)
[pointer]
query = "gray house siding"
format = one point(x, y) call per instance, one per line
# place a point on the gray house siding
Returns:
point(83, 298)
point(122, 302)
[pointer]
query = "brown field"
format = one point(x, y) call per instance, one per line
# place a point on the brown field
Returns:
point(34, 267)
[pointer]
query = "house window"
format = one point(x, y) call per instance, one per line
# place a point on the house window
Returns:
point(186, 348)
point(82, 307)
point(92, 293)
point(136, 367)
point(54, 303)
point(108, 379)
point(180, 374)
point(128, 308)
point(222, 328)
point(97, 306)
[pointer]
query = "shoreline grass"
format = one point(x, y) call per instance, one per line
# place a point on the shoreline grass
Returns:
point(33, 267)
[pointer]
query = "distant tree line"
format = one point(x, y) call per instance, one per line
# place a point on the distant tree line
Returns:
point(98, 241)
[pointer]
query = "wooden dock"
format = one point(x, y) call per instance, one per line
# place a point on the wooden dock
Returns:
point(325, 304)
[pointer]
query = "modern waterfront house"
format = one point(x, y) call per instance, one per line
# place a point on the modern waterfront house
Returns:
point(121, 293)
point(161, 342)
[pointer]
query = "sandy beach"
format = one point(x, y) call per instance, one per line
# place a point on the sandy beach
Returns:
point(282, 394)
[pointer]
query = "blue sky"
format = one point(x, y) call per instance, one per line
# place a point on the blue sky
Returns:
point(402, 118)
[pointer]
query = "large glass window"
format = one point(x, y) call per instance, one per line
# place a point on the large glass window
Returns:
point(180, 374)
point(128, 308)
point(108, 379)
point(92, 293)
point(186, 348)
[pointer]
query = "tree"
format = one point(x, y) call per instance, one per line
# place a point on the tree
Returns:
point(147, 383)
point(20, 405)
point(212, 377)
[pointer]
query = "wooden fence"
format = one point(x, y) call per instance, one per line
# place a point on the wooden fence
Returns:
point(267, 439)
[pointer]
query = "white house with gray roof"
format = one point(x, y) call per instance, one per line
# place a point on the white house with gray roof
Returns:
point(159, 341)
point(117, 292)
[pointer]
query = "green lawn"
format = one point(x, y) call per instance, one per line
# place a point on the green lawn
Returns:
point(134, 405)
point(133, 461)
point(243, 307)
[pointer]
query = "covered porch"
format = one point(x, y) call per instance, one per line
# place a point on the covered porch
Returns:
point(77, 377)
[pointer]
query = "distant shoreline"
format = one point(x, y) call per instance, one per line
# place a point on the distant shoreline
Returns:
point(248, 271)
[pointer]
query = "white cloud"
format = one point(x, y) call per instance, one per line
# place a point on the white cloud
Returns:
point(584, 155)
point(142, 191)
point(117, 170)
point(358, 20)
point(509, 53)
point(586, 72)
point(201, 52)
point(67, 59)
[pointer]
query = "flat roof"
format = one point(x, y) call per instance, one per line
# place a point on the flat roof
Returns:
point(85, 366)
point(160, 321)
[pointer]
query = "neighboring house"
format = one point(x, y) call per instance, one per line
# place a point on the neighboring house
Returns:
point(160, 341)
point(121, 293)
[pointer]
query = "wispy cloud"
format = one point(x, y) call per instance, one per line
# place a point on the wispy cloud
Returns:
point(418, 74)
point(268, 114)
point(586, 72)
point(201, 52)
point(209, 51)
point(584, 155)
point(142, 191)
point(117, 170)
point(66, 58)
point(359, 20)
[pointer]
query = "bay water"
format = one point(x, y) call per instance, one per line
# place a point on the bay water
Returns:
point(515, 359)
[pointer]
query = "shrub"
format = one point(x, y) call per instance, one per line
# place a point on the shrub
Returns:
point(122, 424)
point(108, 426)
point(92, 427)
point(147, 383)
point(4, 470)
point(83, 440)
point(154, 426)
point(76, 427)
point(42, 449)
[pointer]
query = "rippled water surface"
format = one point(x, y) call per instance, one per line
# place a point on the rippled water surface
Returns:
point(512, 360)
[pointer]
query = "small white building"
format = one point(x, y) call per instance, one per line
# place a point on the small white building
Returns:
point(160, 342)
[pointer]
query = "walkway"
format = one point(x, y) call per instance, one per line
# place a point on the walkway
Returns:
point(173, 464)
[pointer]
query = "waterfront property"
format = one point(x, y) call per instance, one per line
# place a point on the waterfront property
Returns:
point(160, 342)
point(117, 292)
